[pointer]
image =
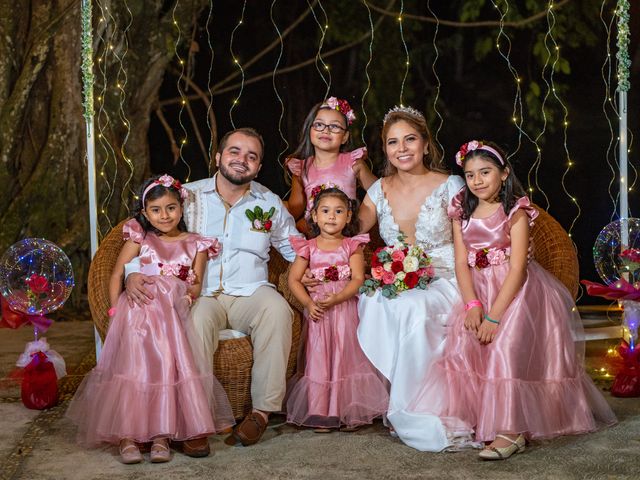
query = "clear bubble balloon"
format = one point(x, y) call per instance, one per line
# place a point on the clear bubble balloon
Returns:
point(614, 261)
point(36, 276)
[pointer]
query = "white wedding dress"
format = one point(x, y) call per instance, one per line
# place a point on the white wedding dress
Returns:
point(403, 336)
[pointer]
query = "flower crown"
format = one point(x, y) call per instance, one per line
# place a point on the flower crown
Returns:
point(402, 109)
point(475, 145)
point(166, 181)
point(340, 105)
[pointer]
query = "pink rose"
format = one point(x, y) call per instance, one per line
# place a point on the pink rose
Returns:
point(496, 256)
point(388, 278)
point(430, 271)
point(397, 255)
point(377, 272)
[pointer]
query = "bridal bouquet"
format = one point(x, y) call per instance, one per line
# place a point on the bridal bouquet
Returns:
point(397, 268)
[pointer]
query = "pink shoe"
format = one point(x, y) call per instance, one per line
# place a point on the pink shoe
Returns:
point(160, 452)
point(129, 452)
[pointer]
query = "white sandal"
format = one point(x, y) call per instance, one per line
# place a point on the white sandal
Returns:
point(497, 453)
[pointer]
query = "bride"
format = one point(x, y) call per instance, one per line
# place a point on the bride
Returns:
point(403, 336)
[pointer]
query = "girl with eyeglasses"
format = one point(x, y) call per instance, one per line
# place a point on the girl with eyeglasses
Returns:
point(322, 160)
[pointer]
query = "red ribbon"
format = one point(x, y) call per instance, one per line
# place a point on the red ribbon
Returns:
point(12, 319)
point(619, 290)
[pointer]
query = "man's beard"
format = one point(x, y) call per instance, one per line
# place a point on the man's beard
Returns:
point(236, 178)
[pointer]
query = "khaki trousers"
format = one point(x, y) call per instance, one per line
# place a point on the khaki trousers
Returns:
point(266, 317)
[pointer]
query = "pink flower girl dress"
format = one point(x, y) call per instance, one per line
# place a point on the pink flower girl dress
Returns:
point(339, 385)
point(148, 382)
point(531, 378)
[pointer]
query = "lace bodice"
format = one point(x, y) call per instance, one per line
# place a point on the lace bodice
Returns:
point(433, 226)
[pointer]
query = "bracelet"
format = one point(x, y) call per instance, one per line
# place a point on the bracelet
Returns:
point(472, 304)
point(489, 319)
point(111, 312)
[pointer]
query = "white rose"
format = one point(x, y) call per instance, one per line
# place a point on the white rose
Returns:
point(387, 266)
point(400, 276)
point(410, 264)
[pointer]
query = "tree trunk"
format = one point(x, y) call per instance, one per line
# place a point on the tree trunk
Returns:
point(43, 169)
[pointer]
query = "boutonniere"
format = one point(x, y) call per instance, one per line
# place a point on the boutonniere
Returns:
point(260, 220)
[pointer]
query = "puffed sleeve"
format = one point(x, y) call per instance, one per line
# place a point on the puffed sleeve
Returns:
point(300, 246)
point(210, 245)
point(295, 166)
point(354, 242)
point(357, 154)
point(524, 204)
point(132, 230)
point(455, 206)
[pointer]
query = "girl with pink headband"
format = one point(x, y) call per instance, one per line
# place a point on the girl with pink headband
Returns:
point(322, 159)
point(512, 367)
point(149, 385)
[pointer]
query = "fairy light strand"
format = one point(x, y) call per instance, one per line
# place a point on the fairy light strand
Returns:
point(211, 128)
point(608, 104)
point(321, 66)
point(236, 61)
point(437, 77)
point(183, 100)
point(368, 77)
point(551, 21)
point(406, 52)
point(275, 88)
point(517, 115)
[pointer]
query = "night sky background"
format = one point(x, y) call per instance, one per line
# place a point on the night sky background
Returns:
point(475, 99)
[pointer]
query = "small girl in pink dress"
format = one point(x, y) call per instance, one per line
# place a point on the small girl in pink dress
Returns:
point(339, 387)
point(321, 161)
point(147, 385)
point(512, 367)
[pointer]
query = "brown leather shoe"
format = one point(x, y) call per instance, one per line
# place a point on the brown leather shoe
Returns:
point(249, 431)
point(196, 447)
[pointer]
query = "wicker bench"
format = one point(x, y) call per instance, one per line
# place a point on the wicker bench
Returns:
point(553, 249)
point(233, 360)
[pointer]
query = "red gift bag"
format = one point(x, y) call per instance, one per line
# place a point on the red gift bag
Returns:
point(627, 381)
point(40, 383)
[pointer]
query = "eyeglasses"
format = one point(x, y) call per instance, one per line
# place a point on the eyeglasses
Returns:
point(333, 127)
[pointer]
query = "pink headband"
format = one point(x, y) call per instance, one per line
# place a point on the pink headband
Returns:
point(475, 145)
point(166, 181)
point(340, 105)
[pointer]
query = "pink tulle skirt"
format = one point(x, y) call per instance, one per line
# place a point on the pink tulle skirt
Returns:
point(148, 382)
point(529, 380)
point(339, 385)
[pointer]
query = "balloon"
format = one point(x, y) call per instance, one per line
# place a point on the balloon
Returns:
point(36, 276)
point(608, 251)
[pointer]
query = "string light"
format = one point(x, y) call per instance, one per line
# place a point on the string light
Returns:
point(237, 63)
point(275, 88)
point(368, 87)
point(321, 66)
point(406, 52)
point(440, 123)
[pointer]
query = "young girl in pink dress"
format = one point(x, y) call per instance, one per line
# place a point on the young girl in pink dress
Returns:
point(512, 368)
point(340, 387)
point(321, 159)
point(147, 385)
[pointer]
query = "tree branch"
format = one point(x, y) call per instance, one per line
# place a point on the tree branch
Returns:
point(451, 23)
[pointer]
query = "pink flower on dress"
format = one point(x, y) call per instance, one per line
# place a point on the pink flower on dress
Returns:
point(471, 259)
point(496, 256)
point(388, 278)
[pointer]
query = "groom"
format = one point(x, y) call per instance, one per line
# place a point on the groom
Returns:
point(236, 293)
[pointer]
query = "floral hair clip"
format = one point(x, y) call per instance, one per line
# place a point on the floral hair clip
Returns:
point(342, 106)
point(166, 181)
point(402, 109)
point(475, 145)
